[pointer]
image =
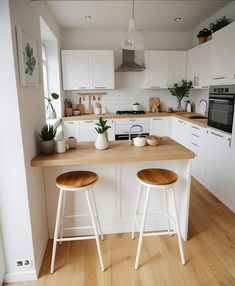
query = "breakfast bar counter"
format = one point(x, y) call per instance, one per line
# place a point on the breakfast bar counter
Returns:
point(117, 187)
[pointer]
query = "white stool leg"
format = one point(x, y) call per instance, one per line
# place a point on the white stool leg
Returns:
point(142, 228)
point(136, 211)
point(62, 217)
point(95, 230)
point(178, 228)
point(166, 209)
point(96, 214)
point(57, 224)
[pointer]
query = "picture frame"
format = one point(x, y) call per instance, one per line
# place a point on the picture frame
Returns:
point(28, 58)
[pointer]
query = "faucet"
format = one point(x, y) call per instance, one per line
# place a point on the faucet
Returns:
point(206, 110)
point(133, 126)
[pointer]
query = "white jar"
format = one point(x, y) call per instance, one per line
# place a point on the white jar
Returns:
point(101, 142)
point(60, 146)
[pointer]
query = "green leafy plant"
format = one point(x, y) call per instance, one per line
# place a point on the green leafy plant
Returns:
point(49, 99)
point(101, 126)
point(204, 33)
point(220, 23)
point(181, 91)
point(47, 133)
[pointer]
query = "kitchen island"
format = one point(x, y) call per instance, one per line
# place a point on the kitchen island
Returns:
point(116, 190)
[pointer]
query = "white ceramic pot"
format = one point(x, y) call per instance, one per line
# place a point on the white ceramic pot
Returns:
point(139, 141)
point(101, 142)
point(48, 147)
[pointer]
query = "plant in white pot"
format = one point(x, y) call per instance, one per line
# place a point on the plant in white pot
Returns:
point(47, 135)
point(101, 141)
point(50, 108)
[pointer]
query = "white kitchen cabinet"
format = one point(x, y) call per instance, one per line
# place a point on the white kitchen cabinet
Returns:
point(102, 69)
point(163, 68)
point(217, 163)
point(199, 65)
point(223, 60)
point(179, 131)
point(75, 69)
point(231, 181)
point(88, 132)
point(160, 126)
point(87, 69)
point(2, 264)
point(71, 129)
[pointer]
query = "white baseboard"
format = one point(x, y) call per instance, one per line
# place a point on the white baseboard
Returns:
point(38, 262)
point(20, 276)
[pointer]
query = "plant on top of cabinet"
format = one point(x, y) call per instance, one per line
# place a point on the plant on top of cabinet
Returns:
point(50, 108)
point(101, 142)
point(203, 35)
point(181, 91)
point(47, 135)
point(219, 24)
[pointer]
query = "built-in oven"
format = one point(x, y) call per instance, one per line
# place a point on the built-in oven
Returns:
point(221, 107)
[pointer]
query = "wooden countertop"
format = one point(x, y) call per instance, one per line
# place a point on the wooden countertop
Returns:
point(118, 152)
point(200, 122)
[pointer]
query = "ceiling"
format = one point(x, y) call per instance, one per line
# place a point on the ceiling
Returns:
point(149, 15)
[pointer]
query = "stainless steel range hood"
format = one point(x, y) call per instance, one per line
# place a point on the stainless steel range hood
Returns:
point(129, 64)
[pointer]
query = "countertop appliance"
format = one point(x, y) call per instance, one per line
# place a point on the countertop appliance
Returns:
point(123, 127)
point(221, 107)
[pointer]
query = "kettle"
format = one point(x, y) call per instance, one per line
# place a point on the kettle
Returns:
point(136, 107)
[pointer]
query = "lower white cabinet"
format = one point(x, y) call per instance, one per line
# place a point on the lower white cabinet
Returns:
point(231, 181)
point(179, 131)
point(71, 129)
point(217, 163)
point(160, 126)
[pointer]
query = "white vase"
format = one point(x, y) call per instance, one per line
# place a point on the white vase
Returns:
point(101, 142)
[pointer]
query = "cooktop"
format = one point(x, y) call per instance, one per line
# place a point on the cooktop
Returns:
point(120, 112)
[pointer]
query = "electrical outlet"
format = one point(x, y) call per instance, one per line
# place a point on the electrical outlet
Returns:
point(23, 263)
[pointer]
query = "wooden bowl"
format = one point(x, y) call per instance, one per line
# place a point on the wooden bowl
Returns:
point(153, 140)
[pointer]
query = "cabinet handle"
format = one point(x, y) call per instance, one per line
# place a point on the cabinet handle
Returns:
point(157, 118)
point(70, 122)
point(89, 121)
point(194, 127)
point(220, 77)
point(194, 144)
point(155, 86)
point(204, 86)
point(100, 87)
point(229, 142)
point(132, 119)
point(82, 87)
point(180, 121)
point(217, 134)
point(195, 135)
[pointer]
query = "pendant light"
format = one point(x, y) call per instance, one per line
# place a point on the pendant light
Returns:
point(132, 39)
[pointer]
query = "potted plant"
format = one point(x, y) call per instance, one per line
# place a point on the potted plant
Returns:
point(219, 24)
point(181, 91)
point(101, 128)
point(47, 135)
point(50, 108)
point(203, 35)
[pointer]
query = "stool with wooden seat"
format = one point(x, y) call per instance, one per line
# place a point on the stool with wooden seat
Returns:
point(156, 179)
point(73, 182)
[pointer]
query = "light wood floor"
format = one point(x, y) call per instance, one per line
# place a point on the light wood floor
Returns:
point(210, 254)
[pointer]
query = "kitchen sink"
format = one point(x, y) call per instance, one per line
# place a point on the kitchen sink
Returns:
point(198, 117)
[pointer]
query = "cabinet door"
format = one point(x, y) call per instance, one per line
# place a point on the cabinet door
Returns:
point(192, 64)
point(179, 131)
point(156, 63)
point(177, 66)
point(71, 128)
point(160, 126)
point(75, 69)
point(231, 176)
point(102, 69)
point(217, 158)
point(223, 60)
point(204, 58)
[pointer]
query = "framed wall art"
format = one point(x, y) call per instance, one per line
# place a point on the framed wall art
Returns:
point(28, 58)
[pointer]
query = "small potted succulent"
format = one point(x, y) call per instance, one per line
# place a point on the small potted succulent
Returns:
point(203, 35)
point(50, 108)
point(101, 128)
point(181, 91)
point(219, 24)
point(47, 136)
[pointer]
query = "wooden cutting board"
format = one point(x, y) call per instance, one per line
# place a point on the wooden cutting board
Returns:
point(154, 104)
point(80, 106)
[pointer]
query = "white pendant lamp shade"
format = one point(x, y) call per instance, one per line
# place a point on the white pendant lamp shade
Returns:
point(132, 39)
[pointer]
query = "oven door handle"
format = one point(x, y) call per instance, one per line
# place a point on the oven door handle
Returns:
point(218, 100)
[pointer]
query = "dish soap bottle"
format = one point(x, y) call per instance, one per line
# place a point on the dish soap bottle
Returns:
point(188, 106)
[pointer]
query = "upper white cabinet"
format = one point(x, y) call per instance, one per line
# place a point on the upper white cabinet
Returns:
point(164, 68)
point(199, 65)
point(223, 59)
point(87, 69)
point(160, 126)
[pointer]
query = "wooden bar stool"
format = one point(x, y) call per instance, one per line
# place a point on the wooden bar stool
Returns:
point(74, 182)
point(156, 179)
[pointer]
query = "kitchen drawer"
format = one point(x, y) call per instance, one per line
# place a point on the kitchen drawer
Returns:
point(195, 129)
point(128, 121)
point(124, 128)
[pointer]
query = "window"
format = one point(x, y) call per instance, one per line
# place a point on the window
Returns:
point(45, 75)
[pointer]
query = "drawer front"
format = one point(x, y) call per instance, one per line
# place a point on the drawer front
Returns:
point(132, 121)
point(124, 128)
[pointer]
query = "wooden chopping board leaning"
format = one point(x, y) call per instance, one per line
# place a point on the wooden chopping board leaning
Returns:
point(154, 104)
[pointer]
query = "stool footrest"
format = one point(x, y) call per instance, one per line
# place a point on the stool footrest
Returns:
point(159, 233)
point(72, 216)
point(76, 238)
point(77, 227)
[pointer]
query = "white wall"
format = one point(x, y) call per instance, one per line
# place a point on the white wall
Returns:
point(128, 85)
point(23, 207)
